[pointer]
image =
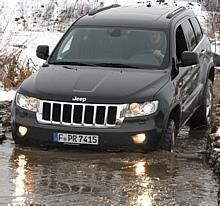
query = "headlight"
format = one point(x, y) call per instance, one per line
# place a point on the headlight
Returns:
point(28, 103)
point(141, 109)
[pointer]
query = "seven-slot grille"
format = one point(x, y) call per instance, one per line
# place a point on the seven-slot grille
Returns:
point(80, 114)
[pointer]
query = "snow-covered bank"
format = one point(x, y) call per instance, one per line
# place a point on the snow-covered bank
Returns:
point(7, 96)
point(28, 41)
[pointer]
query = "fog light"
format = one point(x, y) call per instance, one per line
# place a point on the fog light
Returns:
point(22, 130)
point(139, 138)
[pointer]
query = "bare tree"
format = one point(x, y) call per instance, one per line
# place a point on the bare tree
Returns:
point(212, 19)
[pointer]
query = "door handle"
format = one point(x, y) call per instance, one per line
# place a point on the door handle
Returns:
point(203, 51)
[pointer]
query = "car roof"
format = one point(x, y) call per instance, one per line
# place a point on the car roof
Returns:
point(132, 16)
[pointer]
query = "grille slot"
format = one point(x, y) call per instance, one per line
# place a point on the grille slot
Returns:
point(111, 115)
point(77, 114)
point(100, 115)
point(67, 113)
point(89, 111)
point(46, 111)
point(56, 112)
point(82, 115)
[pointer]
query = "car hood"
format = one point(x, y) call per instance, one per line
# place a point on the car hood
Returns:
point(96, 84)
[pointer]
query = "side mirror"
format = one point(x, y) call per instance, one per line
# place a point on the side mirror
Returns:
point(42, 52)
point(216, 59)
point(189, 58)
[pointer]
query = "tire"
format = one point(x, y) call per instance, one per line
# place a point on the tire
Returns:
point(168, 141)
point(203, 116)
point(15, 138)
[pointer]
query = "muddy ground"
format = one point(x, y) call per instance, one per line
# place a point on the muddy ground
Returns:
point(59, 177)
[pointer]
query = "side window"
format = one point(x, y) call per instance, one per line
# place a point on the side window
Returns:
point(190, 35)
point(197, 29)
point(181, 45)
point(199, 25)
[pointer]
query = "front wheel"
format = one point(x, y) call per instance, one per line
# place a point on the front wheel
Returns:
point(169, 138)
point(203, 116)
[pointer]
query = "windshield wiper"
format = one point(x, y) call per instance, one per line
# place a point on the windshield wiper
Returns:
point(72, 63)
point(117, 65)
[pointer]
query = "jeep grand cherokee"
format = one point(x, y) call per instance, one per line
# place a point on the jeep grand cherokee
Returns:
point(120, 78)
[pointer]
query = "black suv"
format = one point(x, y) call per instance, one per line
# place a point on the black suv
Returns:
point(120, 78)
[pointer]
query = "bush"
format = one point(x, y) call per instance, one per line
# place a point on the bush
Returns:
point(14, 71)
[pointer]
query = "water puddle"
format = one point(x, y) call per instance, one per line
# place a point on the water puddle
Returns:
point(55, 177)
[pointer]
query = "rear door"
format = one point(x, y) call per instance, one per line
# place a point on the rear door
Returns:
point(204, 50)
point(194, 74)
point(188, 77)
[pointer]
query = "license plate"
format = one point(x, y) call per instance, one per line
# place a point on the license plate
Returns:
point(75, 138)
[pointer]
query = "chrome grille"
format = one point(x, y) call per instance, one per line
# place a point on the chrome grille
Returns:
point(80, 114)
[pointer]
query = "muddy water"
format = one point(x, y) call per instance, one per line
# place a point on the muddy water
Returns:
point(55, 177)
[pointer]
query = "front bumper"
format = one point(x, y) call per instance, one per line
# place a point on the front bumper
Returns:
point(109, 138)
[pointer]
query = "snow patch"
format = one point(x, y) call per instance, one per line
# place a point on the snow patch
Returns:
point(7, 96)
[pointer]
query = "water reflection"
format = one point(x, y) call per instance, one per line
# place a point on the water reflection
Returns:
point(51, 177)
point(140, 168)
point(144, 200)
point(20, 180)
point(23, 182)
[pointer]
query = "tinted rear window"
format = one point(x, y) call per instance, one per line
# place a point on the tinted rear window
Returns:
point(197, 29)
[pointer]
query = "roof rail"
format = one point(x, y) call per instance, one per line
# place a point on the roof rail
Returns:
point(95, 11)
point(176, 11)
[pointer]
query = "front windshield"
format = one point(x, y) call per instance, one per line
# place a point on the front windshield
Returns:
point(113, 46)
